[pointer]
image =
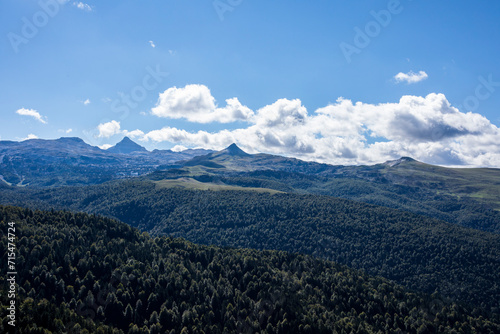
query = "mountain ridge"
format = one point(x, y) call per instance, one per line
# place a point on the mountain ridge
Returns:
point(468, 197)
point(127, 145)
point(70, 160)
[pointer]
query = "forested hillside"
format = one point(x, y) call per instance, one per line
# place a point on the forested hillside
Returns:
point(404, 187)
point(82, 273)
point(420, 253)
point(463, 196)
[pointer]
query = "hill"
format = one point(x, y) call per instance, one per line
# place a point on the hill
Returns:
point(420, 253)
point(81, 273)
point(463, 196)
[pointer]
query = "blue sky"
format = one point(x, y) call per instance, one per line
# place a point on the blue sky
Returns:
point(315, 80)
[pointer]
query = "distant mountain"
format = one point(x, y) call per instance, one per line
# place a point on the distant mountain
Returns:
point(234, 150)
point(66, 145)
point(48, 162)
point(68, 161)
point(126, 146)
point(234, 159)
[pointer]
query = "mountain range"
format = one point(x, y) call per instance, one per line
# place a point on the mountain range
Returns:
point(71, 161)
point(465, 196)
point(428, 228)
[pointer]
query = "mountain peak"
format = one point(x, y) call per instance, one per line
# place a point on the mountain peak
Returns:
point(126, 140)
point(70, 143)
point(71, 140)
point(126, 146)
point(393, 163)
point(234, 150)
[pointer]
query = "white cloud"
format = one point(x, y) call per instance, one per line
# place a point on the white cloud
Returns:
point(152, 44)
point(30, 136)
point(82, 6)
point(426, 128)
point(201, 138)
point(282, 113)
point(410, 77)
point(86, 102)
point(108, 129)
point(32, 113)
point(178, 148)
point(105, 146)
point(196, 104)
point(133, 134)
point(65, 131)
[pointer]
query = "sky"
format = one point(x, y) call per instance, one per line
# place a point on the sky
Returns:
point(340, 82)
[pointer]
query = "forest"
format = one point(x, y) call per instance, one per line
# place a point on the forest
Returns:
point(422, 254)
point(81, 273)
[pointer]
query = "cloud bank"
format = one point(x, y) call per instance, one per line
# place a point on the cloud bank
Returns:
point(426, 128)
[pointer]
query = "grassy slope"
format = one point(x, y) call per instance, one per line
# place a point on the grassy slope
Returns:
point(482, 184)
point(189, 183)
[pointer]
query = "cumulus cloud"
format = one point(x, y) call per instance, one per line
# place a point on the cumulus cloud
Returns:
point(83, 6)
point(196, 104)
point(410, 77)
point(201, 138)
point(32, 113)
point(413, 119)
point(133, 134)
point(152, 44)
point(282, 113)
point(86, 102)
point(426, 128)
point(108, 129)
